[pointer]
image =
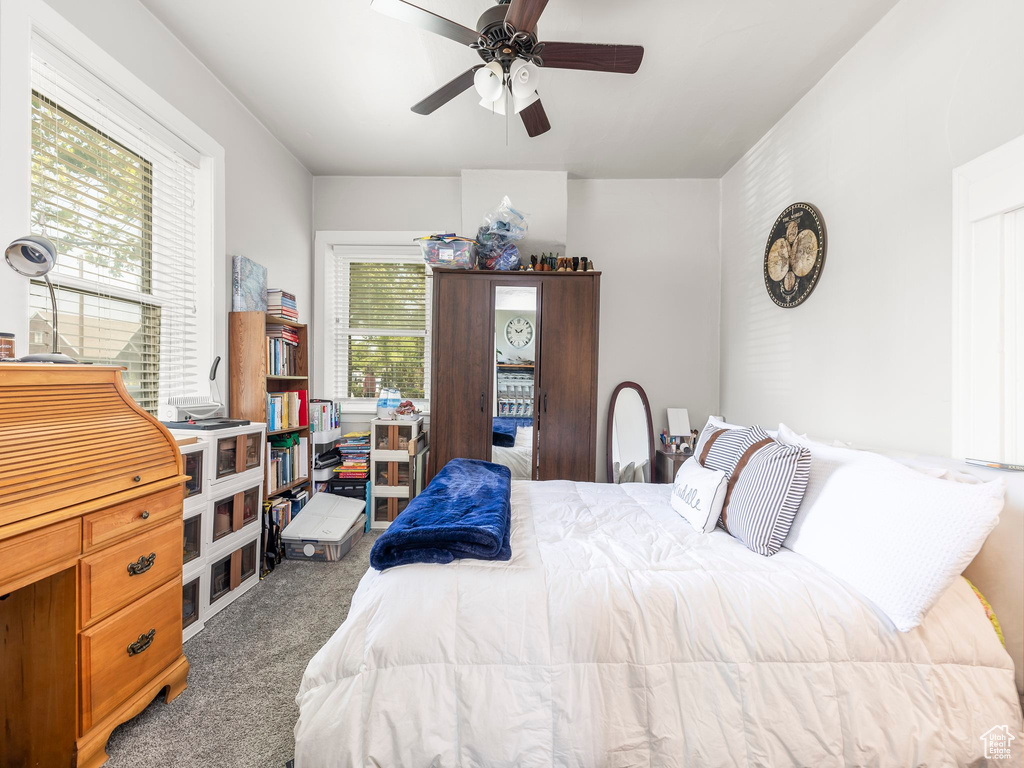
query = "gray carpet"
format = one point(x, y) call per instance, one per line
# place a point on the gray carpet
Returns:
point(239, 708)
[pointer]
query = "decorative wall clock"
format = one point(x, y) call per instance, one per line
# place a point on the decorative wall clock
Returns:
point(795, 254)
point(519, 332)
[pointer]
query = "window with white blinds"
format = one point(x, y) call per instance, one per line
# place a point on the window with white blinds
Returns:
point(119, 202)
point(381, 322)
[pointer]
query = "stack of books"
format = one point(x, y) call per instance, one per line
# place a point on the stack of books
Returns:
point(355, 453)
point(286, 332)
point(282, 304)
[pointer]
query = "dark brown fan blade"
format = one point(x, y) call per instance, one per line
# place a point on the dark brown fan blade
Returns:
point(413, 14)
point(446, 92)
point(535, 119)
point(594, 57)
point(523, 14)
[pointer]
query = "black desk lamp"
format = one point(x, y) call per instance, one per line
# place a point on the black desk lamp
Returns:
point(34, 256)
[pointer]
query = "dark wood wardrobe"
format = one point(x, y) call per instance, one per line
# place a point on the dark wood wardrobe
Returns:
point(564, 345)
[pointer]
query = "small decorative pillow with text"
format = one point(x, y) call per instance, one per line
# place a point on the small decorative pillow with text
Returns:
point(698, 494)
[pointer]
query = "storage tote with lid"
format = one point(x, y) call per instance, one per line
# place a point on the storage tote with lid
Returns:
point(326, 528)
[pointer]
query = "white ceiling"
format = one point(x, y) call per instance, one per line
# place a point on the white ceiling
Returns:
point(334, 81)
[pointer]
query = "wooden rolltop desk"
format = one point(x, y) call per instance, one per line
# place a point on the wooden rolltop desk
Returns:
point(90, 563)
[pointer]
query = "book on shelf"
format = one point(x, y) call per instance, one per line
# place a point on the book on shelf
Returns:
point(282, 304)
point(286, 410)
point(282, 358)
point(324, 415)
point(287, 461)
point(284, 508)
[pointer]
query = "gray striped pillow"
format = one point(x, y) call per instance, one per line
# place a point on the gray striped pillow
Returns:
point(767, 480)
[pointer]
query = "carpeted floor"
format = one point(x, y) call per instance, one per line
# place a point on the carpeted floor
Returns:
point(239, 708)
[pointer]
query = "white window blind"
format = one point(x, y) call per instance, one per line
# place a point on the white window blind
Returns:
point(119, 201)
point(381, 322)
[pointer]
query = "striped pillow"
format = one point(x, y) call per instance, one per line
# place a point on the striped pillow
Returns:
point(767, 480)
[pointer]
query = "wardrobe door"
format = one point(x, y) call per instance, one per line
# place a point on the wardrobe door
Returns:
point(567, 404)
point(461, 362)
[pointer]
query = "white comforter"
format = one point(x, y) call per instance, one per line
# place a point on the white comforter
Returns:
point(517, 459)
point(617, 636)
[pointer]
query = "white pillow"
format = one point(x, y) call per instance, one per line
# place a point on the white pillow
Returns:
point(524, 437)
point(897, 536)
point(698, 494)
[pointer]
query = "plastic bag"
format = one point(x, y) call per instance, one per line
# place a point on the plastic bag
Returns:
point(505, 221)
point(500, 254)
point(496, 238)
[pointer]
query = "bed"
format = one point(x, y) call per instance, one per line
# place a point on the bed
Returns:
point(617, 636)
point(518, 457)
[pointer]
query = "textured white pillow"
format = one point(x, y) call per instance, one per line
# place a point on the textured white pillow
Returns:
point(897, 536)
point(524, 437)
point(698, 494)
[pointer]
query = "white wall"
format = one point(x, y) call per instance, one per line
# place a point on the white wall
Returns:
point(868, 356)
point(268, 192)
point(656, 244)
point(387, 203)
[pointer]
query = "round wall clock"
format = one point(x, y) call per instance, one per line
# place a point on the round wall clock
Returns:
point(519, 332)
point(795, 254)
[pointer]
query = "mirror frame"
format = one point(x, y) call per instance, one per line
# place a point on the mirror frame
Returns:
point(610, 477)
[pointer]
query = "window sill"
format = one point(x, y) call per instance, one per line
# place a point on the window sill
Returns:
point(369, 413)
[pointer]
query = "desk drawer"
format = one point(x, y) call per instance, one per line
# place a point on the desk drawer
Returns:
point(124, 652)
point(132, 517)
point(23, 557)
point(113, 577)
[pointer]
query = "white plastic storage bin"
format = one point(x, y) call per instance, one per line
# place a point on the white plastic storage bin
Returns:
point(326, 528)
point(232, 572)
point(195, 459)
point(195, 600)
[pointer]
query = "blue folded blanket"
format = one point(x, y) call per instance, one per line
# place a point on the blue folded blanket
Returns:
point(466, 511)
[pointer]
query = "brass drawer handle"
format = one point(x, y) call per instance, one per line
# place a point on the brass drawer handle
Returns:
point(144, 641)
point(145, 515)
point(142, 565)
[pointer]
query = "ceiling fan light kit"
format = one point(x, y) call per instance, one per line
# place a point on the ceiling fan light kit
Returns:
point(506, 40)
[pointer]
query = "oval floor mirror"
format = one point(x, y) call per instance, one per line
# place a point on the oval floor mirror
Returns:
point(630, 435)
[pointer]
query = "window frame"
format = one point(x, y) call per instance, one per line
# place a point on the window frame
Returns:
point(367, 245)
point(32, 26)
point(346, 256)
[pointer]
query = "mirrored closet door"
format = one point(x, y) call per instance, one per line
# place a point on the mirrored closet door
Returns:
point(515, 378)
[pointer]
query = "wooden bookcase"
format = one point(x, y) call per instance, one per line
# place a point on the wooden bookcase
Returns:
point(250, 384)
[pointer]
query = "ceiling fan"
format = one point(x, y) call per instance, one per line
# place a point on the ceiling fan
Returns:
point(506, 39)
